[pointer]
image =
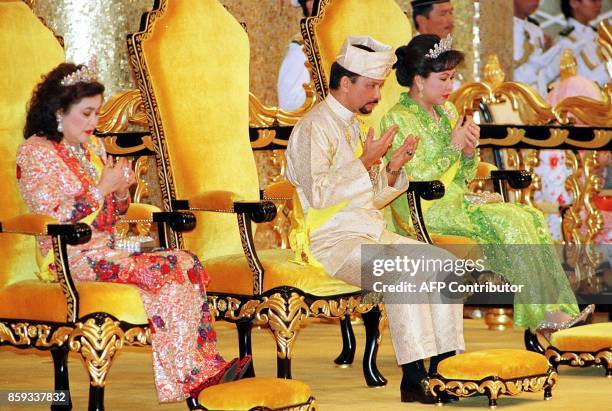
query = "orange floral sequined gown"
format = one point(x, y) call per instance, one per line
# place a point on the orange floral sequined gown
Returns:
point(55, 182)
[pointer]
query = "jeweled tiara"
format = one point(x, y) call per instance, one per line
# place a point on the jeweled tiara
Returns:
point(86, 74)
point(444, 45)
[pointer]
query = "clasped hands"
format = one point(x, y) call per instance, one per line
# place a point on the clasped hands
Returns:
point(374, 150)
point(466, 135)
point(117, 177)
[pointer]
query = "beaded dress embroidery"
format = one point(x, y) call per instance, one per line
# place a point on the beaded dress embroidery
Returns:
point(59, 181)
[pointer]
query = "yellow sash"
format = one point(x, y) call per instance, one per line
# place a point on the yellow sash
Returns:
point(44, 262)
point(299, 236)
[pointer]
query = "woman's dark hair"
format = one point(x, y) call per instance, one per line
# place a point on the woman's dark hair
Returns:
point(50, 96)
point(411, 60)
point(566, 9)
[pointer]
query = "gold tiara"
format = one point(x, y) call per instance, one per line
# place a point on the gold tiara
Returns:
point(444, 45)
point(86, 74)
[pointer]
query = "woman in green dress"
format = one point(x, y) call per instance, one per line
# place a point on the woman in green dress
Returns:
point(447, 151)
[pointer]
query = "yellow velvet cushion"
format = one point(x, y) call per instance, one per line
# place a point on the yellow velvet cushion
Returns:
point(34, 50)
point(231, 274)
point(462, 247)
point(484, 169)
point(451, 239)
point(36, 300)
point(503, 363)
point(281, 189)
point(33, 224)
point(28, 224)
point(248, 393)
point(140, 211)
point(586, 338)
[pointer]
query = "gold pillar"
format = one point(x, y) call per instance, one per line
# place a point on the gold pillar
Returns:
point(496, 34)
point(96, 27)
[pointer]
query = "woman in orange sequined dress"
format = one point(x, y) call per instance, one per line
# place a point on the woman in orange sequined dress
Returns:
point(63, 171)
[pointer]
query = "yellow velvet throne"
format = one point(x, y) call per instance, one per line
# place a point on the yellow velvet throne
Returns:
point(191, 62)
point(93, 319)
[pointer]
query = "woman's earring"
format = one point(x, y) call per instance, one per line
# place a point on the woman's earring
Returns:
point(60, 127)
point(420, 91)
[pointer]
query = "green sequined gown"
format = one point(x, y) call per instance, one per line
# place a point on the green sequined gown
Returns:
point(492, 225)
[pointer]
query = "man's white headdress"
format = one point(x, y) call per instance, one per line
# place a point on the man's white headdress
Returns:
point(373, 64)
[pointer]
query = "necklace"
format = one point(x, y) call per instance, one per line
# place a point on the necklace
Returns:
point(82, 155)
point(434, 115)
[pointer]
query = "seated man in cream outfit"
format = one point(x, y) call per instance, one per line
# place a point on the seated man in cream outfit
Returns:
point(342, 186)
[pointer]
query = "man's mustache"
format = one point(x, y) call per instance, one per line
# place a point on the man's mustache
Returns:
point(364, 110)
point(370, 102)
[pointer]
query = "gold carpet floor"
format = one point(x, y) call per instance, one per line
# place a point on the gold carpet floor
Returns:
point(130, 382)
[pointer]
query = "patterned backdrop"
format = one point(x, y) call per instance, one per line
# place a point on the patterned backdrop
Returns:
point(90, 27)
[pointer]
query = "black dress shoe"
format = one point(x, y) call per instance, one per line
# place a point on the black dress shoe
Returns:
point(446, 398)
point(417, 394)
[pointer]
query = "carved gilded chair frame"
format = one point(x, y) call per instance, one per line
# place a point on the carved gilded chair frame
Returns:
point(546, 127)
point(283, 309)
point(98, 336)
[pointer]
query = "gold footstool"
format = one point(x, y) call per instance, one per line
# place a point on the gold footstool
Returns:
point(258, 394)
point(582, 346)
point(493, 373)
